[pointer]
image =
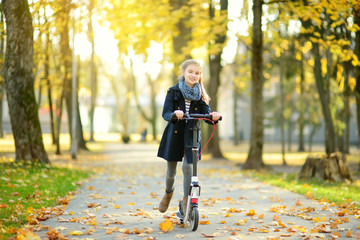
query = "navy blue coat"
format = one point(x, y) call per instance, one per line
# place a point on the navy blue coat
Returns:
point(177, 137)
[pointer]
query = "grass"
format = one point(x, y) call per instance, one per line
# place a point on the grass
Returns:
point(338, 193)
point(342, 194)
point(26, 187)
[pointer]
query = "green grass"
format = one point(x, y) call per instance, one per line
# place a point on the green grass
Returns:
point(341, 194)
point(25, 186)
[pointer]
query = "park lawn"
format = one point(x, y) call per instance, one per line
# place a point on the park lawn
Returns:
point(24, 189)
point(345, 194)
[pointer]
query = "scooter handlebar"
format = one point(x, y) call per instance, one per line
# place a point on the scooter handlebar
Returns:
point(193, 116)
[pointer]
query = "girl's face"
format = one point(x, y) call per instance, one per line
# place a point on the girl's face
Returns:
point(192, 74)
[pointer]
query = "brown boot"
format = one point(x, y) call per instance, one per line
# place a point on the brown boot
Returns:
point(165, 201)
point(185, 200)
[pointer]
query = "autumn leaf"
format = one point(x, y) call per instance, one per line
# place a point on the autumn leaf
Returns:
point(76, 233)
point(166, 226)
point(53, 234)
point(349, 234)
point(240, 222)
point(207, 235)
point(180, 236)
point(207, 222)
point(2, 205)
point(250, 213)
point(25, 234)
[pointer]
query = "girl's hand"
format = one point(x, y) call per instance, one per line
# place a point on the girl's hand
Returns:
point(179, 114)
point(215, 116)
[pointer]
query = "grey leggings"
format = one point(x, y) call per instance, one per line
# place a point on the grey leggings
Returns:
point(171, 173)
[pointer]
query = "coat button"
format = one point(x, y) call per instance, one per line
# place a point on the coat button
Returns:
point(175, 131)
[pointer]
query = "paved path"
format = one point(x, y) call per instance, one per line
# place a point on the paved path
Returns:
point(121, 203)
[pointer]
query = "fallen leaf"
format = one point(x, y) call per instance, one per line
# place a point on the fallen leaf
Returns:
point(76, 233)
point(207, 236)
point(207, 222)
point(180, 236)
point(349, 234)
point(3, 205)
point(166, 226)
point(250, 213)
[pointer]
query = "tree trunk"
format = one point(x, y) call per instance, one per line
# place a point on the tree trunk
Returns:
point(81, 143)
point(46, 77)
point(330, 136)
point(2, 84)
point(235, 116)
point(214, 83)
point(282, 101)
point(65, 54)
point(301, 147)
point(346, 93)
point(19, 83)
point(330, 167)
point(180, 40)
point(254, 159)
point(357, 70)
point(214, 65)
point(311, 136)
point(93, 72)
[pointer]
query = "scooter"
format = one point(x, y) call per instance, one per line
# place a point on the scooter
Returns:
point(191, 213)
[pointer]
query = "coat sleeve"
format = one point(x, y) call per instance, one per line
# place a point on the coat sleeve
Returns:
point(205, 109)
point(168, 106)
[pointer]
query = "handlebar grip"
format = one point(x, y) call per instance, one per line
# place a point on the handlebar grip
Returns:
point(173, 116)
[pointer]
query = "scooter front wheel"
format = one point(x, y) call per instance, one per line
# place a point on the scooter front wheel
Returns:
point(194, 218)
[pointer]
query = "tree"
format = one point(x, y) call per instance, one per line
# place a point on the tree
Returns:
point(19, 83)
point(254, 159)
point(356, 11)
point(215, 50)
point(182, 35)
point(63, 9)
point(93, 70)
point(2, 83)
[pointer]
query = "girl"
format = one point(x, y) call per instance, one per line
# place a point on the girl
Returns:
point(188, 96)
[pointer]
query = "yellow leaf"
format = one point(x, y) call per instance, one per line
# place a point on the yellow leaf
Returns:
point(76, 233)
point(166, 226)
point(24, 234)
point(251, 212)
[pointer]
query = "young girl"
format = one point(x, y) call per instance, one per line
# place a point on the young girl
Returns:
point(188, 96)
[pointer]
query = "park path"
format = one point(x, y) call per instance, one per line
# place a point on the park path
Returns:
point(121, 203)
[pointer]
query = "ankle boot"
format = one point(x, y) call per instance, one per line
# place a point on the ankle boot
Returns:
point(185, 200)
point(165, 201)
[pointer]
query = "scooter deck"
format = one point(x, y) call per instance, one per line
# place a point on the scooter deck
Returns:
point(179, 213)
point(180, 216)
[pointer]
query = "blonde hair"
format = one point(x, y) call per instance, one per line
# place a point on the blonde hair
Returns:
point(205, 97)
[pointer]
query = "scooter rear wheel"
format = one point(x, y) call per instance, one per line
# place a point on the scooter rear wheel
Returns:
point(194, 218)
